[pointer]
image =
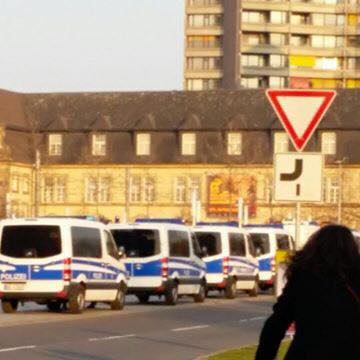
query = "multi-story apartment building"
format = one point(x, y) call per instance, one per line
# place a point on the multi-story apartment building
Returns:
point(280, 43)
point(147, 154)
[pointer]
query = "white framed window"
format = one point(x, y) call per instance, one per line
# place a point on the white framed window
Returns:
point(54, 189)
point(278, 17)
point(15, 183)
point(104, 189)
point(254, 17)
point(234, 143)
point(276, 82)
point(91, 189)
point(135, 188)
point(281, 142)
point(252, 60)
point(99, 144)
point(26, 185)
point(188, 144)
point(328, 143)
point(143, 144)
point(277, 60)
point(250, 82)
point(180, 190)
point(331, 189)
point(277, 39)
point(55, 144)
point(194, 185)
point(149, 189)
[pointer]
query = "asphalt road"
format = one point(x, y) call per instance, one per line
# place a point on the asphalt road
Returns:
point(139, 332)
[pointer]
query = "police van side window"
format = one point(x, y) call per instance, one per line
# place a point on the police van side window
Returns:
point(210, 242)
point(282, 241)
point(237, 244)
point(86, 242)
point(110, 246)
point(178, 243)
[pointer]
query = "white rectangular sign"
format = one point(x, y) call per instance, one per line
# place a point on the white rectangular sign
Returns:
point(298, 177)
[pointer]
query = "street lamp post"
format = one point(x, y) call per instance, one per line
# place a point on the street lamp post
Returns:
point(340, 168)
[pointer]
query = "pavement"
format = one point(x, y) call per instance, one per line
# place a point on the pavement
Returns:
point(139, 332)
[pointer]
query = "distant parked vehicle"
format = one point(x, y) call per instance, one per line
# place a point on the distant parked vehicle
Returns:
point(229, 257)
point(266, 240)
point(59, 262)
point(162, 259)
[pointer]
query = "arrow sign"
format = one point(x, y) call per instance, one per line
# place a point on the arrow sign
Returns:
point(300, 111)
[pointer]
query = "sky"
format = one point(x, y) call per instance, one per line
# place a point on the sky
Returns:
point(91, 45)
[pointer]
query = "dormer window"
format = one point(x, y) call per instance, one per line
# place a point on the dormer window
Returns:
point(281, 142)
point(188, 144)
point(143, 143)
point(99, 144)
point(234, 142)
point(55, 144)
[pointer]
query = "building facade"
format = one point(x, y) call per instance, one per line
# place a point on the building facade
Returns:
point(231, 44)
point(147, 154)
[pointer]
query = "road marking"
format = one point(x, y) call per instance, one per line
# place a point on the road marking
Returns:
point(258, 318)
point(191, 328)
point(112, 337)
point(18, 348)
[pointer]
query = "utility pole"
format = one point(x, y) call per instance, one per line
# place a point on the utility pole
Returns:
point(37, 182)
point(339, 207)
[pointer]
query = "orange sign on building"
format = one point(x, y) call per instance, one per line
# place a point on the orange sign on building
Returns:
point(224, 192)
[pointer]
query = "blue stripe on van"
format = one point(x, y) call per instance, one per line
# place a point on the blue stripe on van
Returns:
point(214, 266)
point(265, 264)
point(244, 261)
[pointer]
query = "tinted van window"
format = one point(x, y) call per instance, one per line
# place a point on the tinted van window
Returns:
point(282, 241)
point(211, 241)
point(261, 242)
point(179, 243)
point(237, 244)
point(138, 242)
point(196, 246)
point(111, 248)
point(86, 242)
point(34, 241)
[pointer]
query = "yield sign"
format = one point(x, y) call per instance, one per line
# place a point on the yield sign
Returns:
point(300, 111)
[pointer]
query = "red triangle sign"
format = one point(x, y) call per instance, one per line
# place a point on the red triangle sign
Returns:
point(300, 111)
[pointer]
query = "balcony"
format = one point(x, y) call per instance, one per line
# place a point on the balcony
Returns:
point(264, 71)
point(264, 49)
point(315, 73)
point(204, 7)
point(203, 73)
point(205, 30)
point(310, 50)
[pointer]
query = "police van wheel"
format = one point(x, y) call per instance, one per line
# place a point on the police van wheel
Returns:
point(54, 306)
point(230, 291)
point(9, 306)
point(201, 295)
point(255, 290)
point(77, 301)
point(119, 302)
point(143, 298)
point(172, 295)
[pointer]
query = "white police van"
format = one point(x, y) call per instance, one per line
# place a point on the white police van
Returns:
point(59, 263)
point(266, 240)
point(162, 259)
point(230, 261)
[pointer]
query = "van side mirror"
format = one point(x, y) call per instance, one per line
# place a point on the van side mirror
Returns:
point(121, 252)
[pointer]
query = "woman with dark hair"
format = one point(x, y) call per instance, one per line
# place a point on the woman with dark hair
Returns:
point(322, 297)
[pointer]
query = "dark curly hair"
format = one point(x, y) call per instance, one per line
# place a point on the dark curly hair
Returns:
point(331, 251)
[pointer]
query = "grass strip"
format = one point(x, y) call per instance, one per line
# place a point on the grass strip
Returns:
point(246, 353)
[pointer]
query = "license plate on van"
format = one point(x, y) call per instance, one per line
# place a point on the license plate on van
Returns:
point(14, 287)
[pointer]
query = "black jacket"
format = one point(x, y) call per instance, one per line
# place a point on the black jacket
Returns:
point(327, 318)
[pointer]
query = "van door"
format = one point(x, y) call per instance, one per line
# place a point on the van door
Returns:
point(181, 265)
point(112, 260)
point(31, 258)
point(88, 265)
point(240, 266)
point(143, 256)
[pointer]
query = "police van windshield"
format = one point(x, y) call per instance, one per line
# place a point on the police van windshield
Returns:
point(210, 242)
point(138, 242)
point(34, 241)
point(261, 243)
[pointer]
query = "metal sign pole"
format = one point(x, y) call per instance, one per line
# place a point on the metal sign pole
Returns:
point(297, 225)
